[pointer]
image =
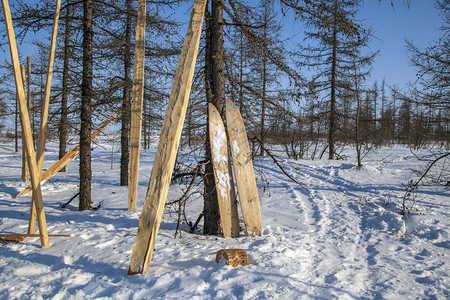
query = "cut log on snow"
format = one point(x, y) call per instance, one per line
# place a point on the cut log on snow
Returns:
point(219, 154)
point(136, 106)
point(167, 149)
point(243, 170)
point(50, 172)
point(233, 257)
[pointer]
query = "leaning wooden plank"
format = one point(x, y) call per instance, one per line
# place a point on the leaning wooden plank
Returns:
point(243, 170)
point(44, 112)
point(166, 151)
point(219, 153)
point(50, 172)
point(26, 128)
point(136, 106)
point(234, 203)
point(25, 169)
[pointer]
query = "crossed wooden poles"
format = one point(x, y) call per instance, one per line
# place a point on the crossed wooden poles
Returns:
point(35, 160)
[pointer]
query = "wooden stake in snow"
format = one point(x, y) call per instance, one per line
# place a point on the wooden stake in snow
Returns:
point(243, 170)
point(25, 168)
point(136, 106)
point(50, 172)
point(43, 129)
point(219, 153)
point(26, 128)
point(166, 151)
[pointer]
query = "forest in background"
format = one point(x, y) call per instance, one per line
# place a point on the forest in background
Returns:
point(309, 100)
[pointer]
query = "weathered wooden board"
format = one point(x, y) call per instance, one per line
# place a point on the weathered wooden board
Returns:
point(234, 202)
point(167, 149)
point(136, 106)
point(243, 170)
point(26, 128)
point(219, 153)
point(50, 172)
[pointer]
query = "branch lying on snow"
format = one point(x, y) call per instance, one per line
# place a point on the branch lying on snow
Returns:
point(416, 184)
point(412, 186)
point(276, 161)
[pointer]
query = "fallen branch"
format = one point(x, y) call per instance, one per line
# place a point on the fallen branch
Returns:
point(70, 200)
point(274, 158)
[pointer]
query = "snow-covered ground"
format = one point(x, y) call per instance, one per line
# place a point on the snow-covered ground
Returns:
point(345, 240)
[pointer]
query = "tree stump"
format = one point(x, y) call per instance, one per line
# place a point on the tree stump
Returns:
point(233, 257)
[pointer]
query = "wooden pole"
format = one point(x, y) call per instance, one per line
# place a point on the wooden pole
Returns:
point(26, 128)
point(167, 149)
point(67, 158)
point(25, 170)
point(136, 106)
point(44, 115)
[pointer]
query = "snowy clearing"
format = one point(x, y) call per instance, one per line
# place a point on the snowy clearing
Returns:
point(346, 240)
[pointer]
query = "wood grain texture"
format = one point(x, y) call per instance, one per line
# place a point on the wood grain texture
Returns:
point(243, 170)
point(137, 100)
point(68, 157)
point(44, 112)
point(167, 149)
point(26, 128)
point(219, 154)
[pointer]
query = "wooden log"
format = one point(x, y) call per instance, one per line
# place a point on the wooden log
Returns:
point(233, 257)
point(167, 149)
point(219, 154)
point(50, 172)
point(26, 128)
point(44, 113)
point(136, 106)
point(243, 170)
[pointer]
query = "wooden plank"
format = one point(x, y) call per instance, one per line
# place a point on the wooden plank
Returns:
point(166, 151)
point(56, 167)
point(7, 236)
point(25, 169)
point(219, 154)
point(243, 170)
point(26, 128)
point(136, 106)
point(44, 112)
point(234, 202)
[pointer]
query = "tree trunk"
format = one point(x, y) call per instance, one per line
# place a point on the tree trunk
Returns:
point(86, 98)
point(65, 87)
point(215, 92)
point(126, 102)
point(332, 120)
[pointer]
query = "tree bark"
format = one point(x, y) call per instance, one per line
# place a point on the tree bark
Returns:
point(62, 128)
point(215, 93)
point(332, 120)
point(126, 102)
point(86, 98)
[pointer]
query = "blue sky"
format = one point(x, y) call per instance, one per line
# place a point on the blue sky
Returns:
point(419, 23)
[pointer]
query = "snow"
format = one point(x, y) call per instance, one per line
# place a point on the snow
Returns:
point(346, 240)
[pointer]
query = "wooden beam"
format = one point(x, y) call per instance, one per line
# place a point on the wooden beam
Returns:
point(136, 106)
point(167, 149)
point(21, 237)
point(25, 169)
point(44, 117)
point(56, 167)
point(26, 128)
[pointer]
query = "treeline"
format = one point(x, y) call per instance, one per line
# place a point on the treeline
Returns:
point(300, 94)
